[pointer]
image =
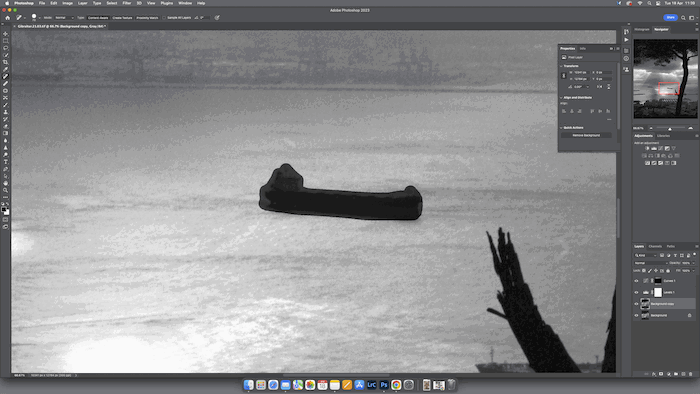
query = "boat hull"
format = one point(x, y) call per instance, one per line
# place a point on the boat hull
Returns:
point(400, 205)
point(285, 192)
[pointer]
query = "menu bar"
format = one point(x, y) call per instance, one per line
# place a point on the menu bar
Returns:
point(666, 4)
point(93, 3)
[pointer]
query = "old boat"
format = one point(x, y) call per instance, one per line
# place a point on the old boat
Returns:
point(285, 192)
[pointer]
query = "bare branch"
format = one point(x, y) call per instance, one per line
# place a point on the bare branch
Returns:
point(497, 313)
point(541, 345)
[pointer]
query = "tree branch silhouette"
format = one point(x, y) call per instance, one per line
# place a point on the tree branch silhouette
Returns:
point(544, 350)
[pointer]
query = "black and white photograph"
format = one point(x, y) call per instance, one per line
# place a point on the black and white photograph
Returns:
point(146, 238)
point(665, 79)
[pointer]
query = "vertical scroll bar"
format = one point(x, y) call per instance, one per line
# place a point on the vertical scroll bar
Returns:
point(618, 218)
point(618, 102)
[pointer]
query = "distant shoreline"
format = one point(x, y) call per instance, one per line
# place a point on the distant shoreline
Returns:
point(339, 87)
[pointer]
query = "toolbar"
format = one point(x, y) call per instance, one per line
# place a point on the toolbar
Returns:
point(5, 85)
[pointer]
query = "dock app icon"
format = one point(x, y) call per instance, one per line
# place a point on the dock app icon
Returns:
point(248, 385)
point(273, 384)
point(396, 384)
point(286, 385)
point(260, 384)
point(335, 385)
point(298, 384)
point(311, 385)
point(322, 385)
point(359, 385)
point(371, 385)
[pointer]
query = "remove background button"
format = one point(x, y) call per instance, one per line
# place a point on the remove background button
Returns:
point(575, 134)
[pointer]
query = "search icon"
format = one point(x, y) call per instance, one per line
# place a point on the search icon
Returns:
point(683, 17)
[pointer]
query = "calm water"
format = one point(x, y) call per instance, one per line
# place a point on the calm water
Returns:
point(137, 231)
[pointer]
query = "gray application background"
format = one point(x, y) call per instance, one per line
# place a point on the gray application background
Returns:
point(138, 244)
